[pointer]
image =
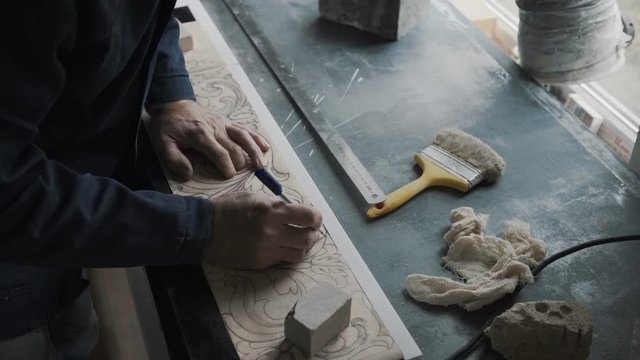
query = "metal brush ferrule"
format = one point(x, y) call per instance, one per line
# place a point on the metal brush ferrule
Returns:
point(453, 164)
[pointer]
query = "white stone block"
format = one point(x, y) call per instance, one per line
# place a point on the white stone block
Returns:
point(317, 318)
point(387, 18)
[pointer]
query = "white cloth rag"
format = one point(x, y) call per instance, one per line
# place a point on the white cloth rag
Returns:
point(489, 266)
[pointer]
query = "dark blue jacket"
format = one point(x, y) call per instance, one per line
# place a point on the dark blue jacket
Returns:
point(74, 77)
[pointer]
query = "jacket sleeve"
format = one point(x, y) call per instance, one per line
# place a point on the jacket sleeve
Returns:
point(170, 81)
point(50, 215)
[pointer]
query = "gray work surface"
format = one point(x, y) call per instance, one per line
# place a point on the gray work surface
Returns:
point(559, 177)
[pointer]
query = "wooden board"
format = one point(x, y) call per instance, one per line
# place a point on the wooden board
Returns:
point(254, 303)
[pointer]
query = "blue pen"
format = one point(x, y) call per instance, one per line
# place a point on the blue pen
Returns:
point(269, 181)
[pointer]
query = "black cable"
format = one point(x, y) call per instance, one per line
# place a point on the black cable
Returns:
point(480, 337)
point(579, 247)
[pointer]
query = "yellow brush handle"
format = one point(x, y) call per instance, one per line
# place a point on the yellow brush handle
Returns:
point(432, 175)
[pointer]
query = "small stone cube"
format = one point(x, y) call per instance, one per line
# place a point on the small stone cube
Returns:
point(317, 318)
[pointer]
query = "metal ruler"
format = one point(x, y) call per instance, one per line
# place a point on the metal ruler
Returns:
point(350, 163)
point(335, 143)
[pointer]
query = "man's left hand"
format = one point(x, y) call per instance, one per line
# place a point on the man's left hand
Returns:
point(183, 125)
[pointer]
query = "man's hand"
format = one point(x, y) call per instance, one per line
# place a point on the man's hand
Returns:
point(184, 124)
point(255, 231)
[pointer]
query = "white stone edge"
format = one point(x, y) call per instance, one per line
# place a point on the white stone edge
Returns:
point(365, 278)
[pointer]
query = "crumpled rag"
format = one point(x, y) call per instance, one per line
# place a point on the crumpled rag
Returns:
point(489, 266)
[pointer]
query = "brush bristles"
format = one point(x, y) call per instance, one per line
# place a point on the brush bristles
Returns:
point(472, 150)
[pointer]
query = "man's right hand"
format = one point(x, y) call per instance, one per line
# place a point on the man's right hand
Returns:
point(256, 231)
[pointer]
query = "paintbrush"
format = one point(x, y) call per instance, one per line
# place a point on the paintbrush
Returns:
point(455, 159)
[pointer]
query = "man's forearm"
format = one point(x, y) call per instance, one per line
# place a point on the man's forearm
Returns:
point(54, 216)
point(170, 81)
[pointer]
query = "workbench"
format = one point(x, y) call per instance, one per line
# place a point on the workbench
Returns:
point(560, 178)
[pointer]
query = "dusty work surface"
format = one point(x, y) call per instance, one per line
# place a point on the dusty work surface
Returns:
point(559, 178)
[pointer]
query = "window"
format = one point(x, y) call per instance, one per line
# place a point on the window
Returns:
point(610, 107)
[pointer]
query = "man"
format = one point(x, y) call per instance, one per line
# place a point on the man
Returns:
point(75, 78)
